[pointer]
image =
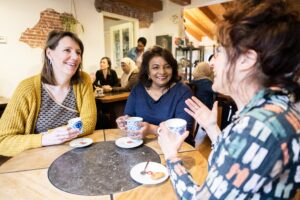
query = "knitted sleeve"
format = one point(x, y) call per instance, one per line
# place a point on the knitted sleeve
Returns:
point(86, 104)
point(18, 120)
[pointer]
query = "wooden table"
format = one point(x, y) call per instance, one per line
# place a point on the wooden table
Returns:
point(113, 97)
point(25, 176)
point(109, 108)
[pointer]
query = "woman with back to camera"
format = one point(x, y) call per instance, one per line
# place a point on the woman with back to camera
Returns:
point(159, 95)
point(106, 75)
point(257, 64)
point(48, 100)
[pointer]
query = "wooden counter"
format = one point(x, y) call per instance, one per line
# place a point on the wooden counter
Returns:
point(25, 175)
point(109, 108)
point(113, 97)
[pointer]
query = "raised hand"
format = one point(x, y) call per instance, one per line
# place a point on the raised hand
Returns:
point(205, 117)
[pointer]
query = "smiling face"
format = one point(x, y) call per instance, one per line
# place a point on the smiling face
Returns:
point(160, 72)
point(125, 67)
point(65, 58)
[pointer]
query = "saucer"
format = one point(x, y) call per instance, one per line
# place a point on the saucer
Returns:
point(152, 168)
point(127, 143)
point(81, 142)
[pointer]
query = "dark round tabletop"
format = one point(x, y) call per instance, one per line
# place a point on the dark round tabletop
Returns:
point(99, 169)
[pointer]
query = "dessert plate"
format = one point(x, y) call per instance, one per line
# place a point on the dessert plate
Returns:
point(155, 173)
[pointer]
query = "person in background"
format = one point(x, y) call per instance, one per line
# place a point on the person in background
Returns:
point(136, 53)
point(41, 106)
point(159, 95)
point(129, 77)
point(106, 75)
point(256, 63)
point(202, 80)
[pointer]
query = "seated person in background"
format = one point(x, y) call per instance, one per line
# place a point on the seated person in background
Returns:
point(203, 82)
point(257, 155)
point(136, 53)
point(106, 75)
point(129, 77)
point(159, 95)
point(48, 100)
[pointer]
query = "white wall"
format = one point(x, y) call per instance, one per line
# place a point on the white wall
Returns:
point(162, 23)
point(19, 61)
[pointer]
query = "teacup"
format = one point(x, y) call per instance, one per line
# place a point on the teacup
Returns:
point(176, 125)
point(132, 125)
point(99, 91)
point(76, 123)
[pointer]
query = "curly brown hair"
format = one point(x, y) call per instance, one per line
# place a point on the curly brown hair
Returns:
point(272, 30)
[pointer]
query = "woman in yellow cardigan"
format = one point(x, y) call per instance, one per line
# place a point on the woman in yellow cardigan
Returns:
point(47, 101)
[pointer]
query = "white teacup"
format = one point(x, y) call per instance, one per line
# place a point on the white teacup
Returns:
point(99, 91)
point(133, 123)
point(176, 125)
point(76, 123)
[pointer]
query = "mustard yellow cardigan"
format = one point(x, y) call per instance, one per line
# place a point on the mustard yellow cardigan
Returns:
point(17, 124)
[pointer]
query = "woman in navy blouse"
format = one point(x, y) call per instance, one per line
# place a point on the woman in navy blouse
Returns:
point(159, 95)
point(257, 156)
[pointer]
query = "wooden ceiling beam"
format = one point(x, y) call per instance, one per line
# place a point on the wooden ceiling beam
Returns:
point(194, 33)
point(196, 22)
point(150, 5)
point(209, 14)
point(182, 2)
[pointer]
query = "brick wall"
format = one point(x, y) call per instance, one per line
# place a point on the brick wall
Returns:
point(145, 17)
point(36, 36)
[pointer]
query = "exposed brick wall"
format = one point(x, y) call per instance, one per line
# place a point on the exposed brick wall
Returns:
point(36, 36)
point(145, 17)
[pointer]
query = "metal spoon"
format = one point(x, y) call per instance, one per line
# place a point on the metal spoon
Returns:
point(144, 171)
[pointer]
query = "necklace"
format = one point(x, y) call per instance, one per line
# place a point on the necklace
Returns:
point(57, 94)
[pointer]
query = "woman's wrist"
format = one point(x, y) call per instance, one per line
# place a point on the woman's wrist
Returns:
point(213, 131)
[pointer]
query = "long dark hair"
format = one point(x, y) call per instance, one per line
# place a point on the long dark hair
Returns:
point(272, 30)
point(52, 41)
point(164, 53)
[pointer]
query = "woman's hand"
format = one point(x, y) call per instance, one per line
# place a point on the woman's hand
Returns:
point(205, 117)
point(59, 136)
point(170, 142)
point(107, 88)
point(121, 122)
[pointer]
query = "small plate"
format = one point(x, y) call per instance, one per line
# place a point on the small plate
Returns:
point(126, 142)
point(81, 142)
point(153, 167)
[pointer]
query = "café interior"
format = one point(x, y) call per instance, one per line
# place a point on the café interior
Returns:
point(107, 28)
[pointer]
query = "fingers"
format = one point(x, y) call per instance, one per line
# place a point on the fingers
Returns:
point(215, 107)
point(189, 112)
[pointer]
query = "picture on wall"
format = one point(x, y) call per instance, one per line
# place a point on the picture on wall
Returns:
point(165, 41)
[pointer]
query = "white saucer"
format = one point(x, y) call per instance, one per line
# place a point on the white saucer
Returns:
point(126, 142)
point(81, 142)
point(147, 179)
